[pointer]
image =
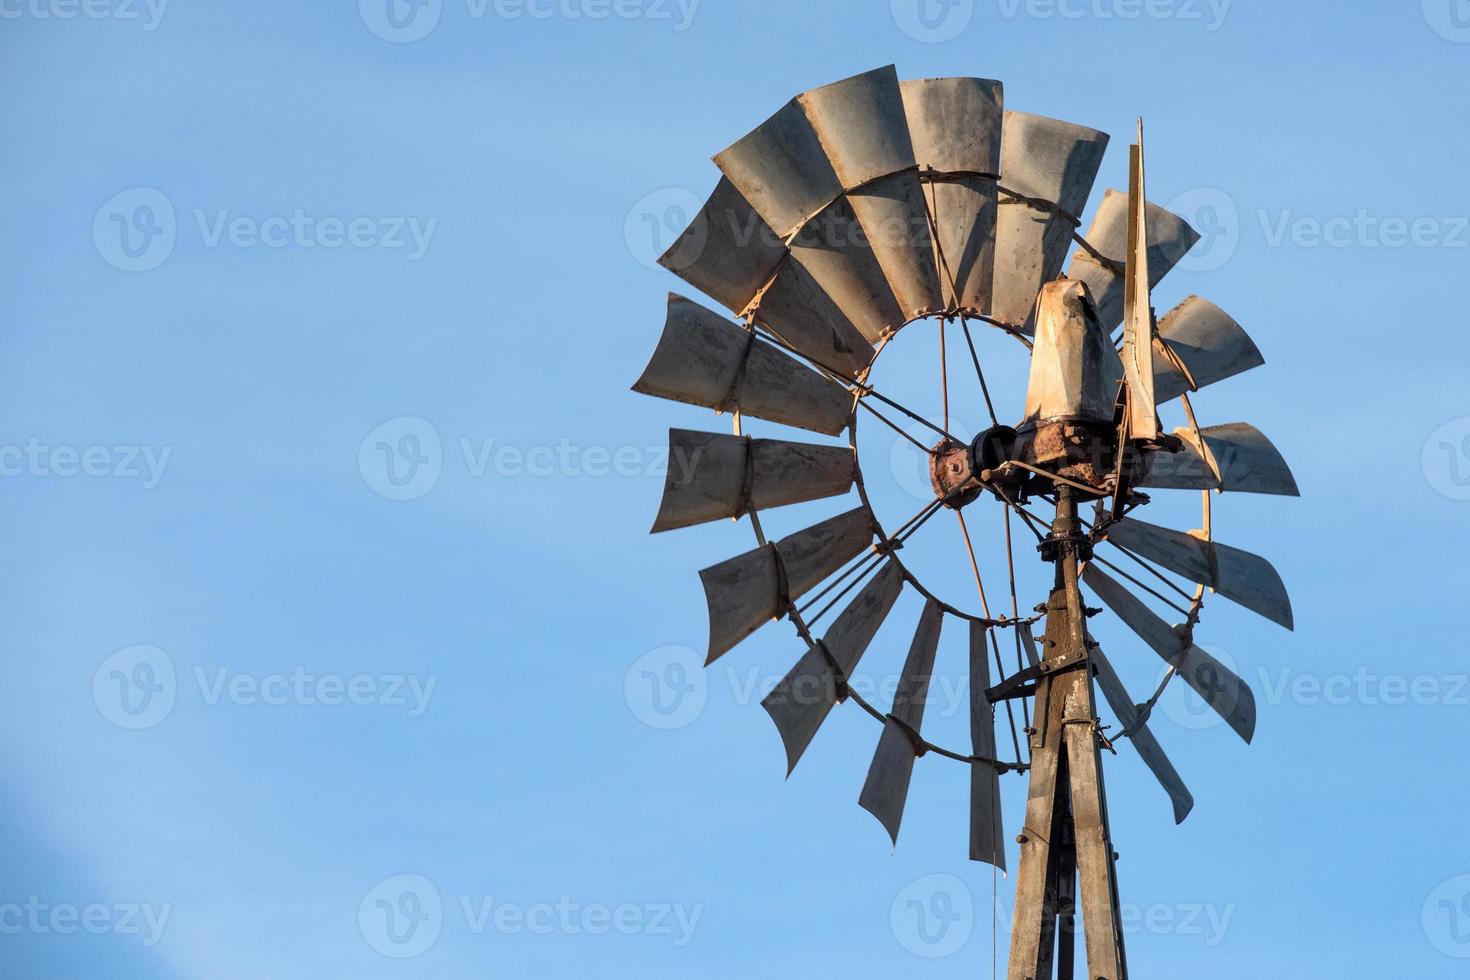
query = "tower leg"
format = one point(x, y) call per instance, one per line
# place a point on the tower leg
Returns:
point(1066, 835)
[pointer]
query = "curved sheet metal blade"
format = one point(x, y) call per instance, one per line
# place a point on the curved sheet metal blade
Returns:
point(1221, 689)
point(801, 701)
point(1238, 575)
point(887, 787)
point(698, 362)
point(744, 593)
point(860, 122)
point(1169, 238)
point(1210, 345)
point(1187, 469)
point(712, 476)
point(987, 836)
point(955, 125)
point(797, 309)
point(782, 170)
point(834, 249)
point(1245, 461)
point(727, 252)
point(1046, 160)
point(1143, 740)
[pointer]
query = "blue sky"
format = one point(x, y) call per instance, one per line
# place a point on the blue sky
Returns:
point(263, 691)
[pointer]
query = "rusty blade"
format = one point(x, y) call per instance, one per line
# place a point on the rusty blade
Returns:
point(1238, 575)
point(1049, 161)
point(797, 309)
point(801, 701)
point(1187, 469)
point(745, 592)
point(1245, 461)
point(1207, 342)
point(887, 786)
point(704, 359)
point(834, 249)
point(1143, 740)
point(713, 476)
point(955, 125)
point(782, 170)
point(727, 252)
point(1138, 314)
point(987, 835)
point(1169, 238)
point(1221, 689)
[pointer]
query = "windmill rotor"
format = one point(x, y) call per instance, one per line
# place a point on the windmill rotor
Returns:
point(854, 212)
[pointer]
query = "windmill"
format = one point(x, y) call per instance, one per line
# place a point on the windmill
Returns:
point(867, 205)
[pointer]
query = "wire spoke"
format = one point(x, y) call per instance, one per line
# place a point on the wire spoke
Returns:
point(979, 372)
point(989, 633)
point(894, 426)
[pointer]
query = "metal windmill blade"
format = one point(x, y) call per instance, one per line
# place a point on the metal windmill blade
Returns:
point(798, 241)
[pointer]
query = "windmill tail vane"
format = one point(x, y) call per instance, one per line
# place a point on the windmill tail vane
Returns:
point(796, 241)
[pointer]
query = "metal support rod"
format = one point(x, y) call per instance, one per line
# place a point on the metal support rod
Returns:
point(1067, 859)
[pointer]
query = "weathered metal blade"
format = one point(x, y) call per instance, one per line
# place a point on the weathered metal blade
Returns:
point(801, 701)
point(749, 590)
point(860, 122)
point(1043, 160)
point(1186, 469)
point(955, 125)
point(1221, 689)
point(1143, 740)
point(987, 834)
point(1138, 314)
point(782, 170)
point(704, 359)
point(713, 476)
point(797, 309)
point(727, 252)
point(1028, 641)
point(1239, 575)
point(887, 786)
point(1169, 238)
point(1207, 342)
point(834, 250)
point(1245, 461)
